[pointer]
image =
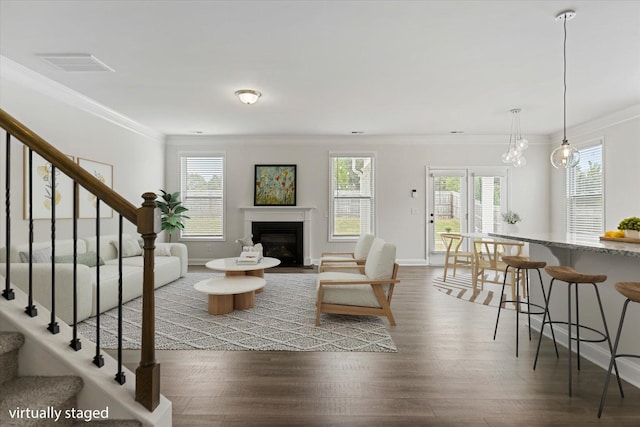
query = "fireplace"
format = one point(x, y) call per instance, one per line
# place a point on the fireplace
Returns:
point(281, 240)
point(278, 214)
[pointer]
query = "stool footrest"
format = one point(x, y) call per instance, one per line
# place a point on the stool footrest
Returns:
point(575, 338)
point(528, 304)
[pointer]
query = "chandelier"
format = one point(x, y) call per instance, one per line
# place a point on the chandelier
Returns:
point(517, 144)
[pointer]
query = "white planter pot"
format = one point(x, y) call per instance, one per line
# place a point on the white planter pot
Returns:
point(632, 234)
point(510, 228)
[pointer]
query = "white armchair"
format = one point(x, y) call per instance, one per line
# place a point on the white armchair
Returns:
point(358, 256)
point(360, 290)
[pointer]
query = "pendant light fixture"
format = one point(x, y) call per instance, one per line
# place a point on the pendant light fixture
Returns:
point(517, 144)
point(565, 156)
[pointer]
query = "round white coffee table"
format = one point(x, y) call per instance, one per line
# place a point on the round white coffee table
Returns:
point(237, 289)
point(231, 267)
point(230, 292)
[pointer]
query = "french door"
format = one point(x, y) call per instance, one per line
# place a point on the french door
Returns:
point(464, 200)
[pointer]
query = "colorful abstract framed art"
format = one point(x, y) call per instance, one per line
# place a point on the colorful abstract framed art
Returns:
point(275, 185)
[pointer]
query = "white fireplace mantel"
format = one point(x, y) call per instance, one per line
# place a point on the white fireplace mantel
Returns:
point(282, 214)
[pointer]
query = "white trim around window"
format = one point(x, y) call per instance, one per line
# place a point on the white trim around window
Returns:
point(352, 201)
point(203, 192)
point(584, 191)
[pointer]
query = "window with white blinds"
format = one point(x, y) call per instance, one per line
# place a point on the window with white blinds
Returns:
point(352, 196)
point(585, 198)
point(202, 192)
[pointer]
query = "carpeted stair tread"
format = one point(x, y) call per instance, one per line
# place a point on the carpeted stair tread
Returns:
point(109, 423)
point(37, 393)
point(10, 343)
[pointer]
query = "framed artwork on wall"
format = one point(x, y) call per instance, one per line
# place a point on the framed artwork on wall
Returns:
point(275, 185)
point(87, 201)
point(46, 191)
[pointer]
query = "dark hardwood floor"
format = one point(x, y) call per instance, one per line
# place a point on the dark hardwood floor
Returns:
point(448, 372)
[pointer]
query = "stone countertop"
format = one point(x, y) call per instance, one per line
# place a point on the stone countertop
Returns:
point(581, 243)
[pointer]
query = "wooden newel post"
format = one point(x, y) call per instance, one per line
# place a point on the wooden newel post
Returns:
point(148, 372)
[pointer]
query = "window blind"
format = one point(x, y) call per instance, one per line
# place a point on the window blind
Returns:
point(202, 191)
point(584, 192)
point(352, 190)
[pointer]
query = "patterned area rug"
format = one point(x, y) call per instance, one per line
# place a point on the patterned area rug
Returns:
point(282, 319)
point(461, 287)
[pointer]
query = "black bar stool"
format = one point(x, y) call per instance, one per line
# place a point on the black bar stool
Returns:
point(522, 263)
point(573, 277)
point(631, 290)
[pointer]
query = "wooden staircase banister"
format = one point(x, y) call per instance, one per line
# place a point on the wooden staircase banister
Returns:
point(147, 220)
point(68, 167)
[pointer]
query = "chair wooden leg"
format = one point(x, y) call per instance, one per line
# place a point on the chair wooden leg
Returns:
point(319, 305)
point(474, 280)
point(384, 304)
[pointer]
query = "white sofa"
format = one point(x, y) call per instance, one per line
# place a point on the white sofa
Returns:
point(171, 262)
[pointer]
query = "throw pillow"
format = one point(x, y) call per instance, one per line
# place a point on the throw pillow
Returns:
point(42, 256)
point(89, 259)
point(130, 247)
point(163, 250)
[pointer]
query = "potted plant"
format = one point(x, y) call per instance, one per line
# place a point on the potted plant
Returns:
point(631, 227)
point(511, 218)
point(172, 217)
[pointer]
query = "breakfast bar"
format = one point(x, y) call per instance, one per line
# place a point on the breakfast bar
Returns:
point(619, 260)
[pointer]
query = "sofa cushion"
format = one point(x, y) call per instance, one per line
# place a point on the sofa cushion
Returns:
point(106, 249)
point(165, 269)
point(358, 295)
point(90, 259)
point(130, 247)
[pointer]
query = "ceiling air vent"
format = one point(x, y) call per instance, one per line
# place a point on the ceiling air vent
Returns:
point(74, 62)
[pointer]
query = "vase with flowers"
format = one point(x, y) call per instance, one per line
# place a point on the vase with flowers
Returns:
point(510, 219)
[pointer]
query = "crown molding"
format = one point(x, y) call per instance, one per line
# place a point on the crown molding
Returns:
point(12, 71)
point(597, 125)
point(195, 140)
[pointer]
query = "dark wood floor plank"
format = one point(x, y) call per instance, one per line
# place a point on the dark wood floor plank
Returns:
point(448, 372)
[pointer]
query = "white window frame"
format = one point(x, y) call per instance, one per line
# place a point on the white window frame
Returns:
point(221, 155)
point(337, 238)
point(505, 190)
point(570, 226)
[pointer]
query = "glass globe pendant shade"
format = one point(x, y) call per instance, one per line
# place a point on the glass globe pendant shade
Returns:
point(565, 156)
point(522, 144)
point(519, 162)
point(507, 157)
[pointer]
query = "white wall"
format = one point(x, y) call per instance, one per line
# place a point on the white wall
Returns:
point(62, 119)
point(400, 167)
point(621, 154)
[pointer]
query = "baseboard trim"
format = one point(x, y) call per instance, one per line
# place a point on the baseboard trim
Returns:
point(594, 353)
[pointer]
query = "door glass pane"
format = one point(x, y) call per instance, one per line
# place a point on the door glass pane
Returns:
point(487, 204)
point(447, 205)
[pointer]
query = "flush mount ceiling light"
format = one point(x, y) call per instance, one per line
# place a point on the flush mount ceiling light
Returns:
point(565, 156)
point(517, 144)
point(248, 96)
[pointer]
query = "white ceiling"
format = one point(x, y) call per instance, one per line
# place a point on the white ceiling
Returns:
point(333, 67)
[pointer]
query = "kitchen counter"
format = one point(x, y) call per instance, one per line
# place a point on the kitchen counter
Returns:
point(557, 243)
point(620, 261)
